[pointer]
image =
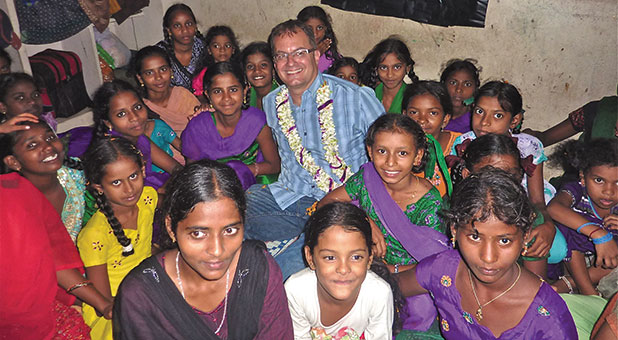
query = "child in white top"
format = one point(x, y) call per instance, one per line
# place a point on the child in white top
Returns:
point(338, 295)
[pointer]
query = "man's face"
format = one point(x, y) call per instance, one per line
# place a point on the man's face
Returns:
point(297, 70)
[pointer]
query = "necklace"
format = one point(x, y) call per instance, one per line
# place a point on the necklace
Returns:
point(227, 285)
point(479, 312)
point(418, 182)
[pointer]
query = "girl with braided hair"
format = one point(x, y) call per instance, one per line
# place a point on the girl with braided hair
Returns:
point(118, 236)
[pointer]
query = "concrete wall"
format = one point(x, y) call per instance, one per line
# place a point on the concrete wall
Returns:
point(559, 53)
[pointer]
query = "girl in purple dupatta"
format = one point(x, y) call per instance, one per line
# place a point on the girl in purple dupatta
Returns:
point(234, 133)
point(480, 290)
point(402, 207)
point(120, 111)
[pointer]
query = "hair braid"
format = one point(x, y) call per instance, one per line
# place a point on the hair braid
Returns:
point(107, 210)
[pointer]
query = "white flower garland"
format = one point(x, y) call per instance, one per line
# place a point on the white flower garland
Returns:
point(329, 138)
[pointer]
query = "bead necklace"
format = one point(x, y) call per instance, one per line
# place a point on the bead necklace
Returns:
point(479, 312)
point(227, 285)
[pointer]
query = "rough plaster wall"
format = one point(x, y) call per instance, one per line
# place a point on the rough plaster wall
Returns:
point(559, 53)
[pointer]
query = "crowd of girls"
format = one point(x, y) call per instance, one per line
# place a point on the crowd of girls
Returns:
point(449, 231)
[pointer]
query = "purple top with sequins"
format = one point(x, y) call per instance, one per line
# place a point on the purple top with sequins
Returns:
point(547, 316)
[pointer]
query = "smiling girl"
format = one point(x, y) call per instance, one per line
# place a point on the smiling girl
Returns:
point(209, 284)
point(480, 290)
point(118, 236)
point(37, 154)
point(402, 207)
point(384, 68)
point(257, 62)
point(232, 134)
point(343, 292)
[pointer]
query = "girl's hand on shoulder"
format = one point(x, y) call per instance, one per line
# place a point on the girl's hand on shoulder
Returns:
point(379, 244)
point(11, 125)
point(611, 222)
point(544, 234)
point(607, 254)
point(199, 109)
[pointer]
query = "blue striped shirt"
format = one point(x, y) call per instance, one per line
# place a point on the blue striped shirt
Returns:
point(354, 109)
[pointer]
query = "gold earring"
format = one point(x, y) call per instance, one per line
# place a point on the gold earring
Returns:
point(453, 242)
point(141, 84)
point(525, 251)
point(172, 76)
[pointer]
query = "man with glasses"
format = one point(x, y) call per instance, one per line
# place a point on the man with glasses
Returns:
point(319, 122)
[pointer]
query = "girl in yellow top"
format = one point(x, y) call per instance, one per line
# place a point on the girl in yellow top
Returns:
point(118, 236)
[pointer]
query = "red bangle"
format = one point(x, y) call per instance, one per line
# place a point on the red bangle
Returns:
point(590, 236)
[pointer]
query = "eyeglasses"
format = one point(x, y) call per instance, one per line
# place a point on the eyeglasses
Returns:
point(296, 55)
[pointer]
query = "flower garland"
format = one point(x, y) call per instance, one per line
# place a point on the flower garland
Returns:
point(328, 137)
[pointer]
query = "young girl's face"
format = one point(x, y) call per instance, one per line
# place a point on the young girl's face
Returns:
point(391, 71)
point(340, 260)
point(23, 97)
point(348, 73)
point(127, 114)
point(155, 74)
point(36, 151)
point(601, 184)
point(427, 111)
point(488, 116)
point(461, 85)
point(122, 182)
point(5, 66)
point(182, 28)
point(490, 249)
point(318, 27)
point(221, 48)
point(507, 163)
point(226, 94)
point(259, 70)
point(393, 154)
point(209, 238)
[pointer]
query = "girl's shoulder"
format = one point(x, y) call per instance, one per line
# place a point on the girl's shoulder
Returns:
point(525, 139)
point(301, 282)
point(148, 199)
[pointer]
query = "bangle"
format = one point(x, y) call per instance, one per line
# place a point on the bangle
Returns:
point(78, 285)
point(396, 268)
point(604, 239)
point(594, 231)
point(584, 225)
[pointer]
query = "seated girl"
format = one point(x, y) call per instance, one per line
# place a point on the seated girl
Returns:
point(402, 207)
point(500, 151)
point(384, 69)
point(480, 290)
point(346, 68)
point(498, 109)
point(174, 104)
point(19, 94)
point(586, 212)
point(321, 24)
point(257, 62)
point(208, 284)
point(118, 236)
point(461, 78)
point(428, 103)
point(343, 292)
point(233, 134)
point(37, 154)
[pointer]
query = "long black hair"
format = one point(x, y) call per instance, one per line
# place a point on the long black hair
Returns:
point(369, 66)
point(352, 219)
point(216, 31)
point(223, 68)
point(202, 181)
point(100, 153)
point(102, 100)
point(138, 60)
point(507, 95)
point(318, 12)
point(434, 88)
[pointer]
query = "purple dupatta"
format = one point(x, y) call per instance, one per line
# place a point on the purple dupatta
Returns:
point(200, 140)
point(422, 242)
